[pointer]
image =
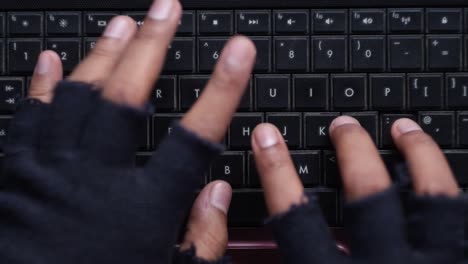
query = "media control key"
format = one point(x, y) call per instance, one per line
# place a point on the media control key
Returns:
point(253, 22)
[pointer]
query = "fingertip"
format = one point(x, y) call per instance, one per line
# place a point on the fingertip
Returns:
point(47, 73)
point(265, 136)
point(239, 55)
point(342, 121)
point(404, 126)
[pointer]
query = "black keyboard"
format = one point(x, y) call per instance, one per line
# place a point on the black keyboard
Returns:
point(315, 61)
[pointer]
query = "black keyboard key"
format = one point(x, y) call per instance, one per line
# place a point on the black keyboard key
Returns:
point(369, 121)
point(162, 126)
point(457, 90)
point(25, 24)
point(457, 160)
point(11, 92)
point(272, 92)
point(69, 51)
point(187, 24)
point(330, 21)
point(307, 164)
point(316, 129)
point(63, 23)
point(444, 53)
point(387, 91)
point(406, 53)
point(439, 125)
point(246, 102)
point(387, 121)
point(264, 58)
point(247, 209)
point(4, 124)
point(164, 96)
point(241, 129)
point(291, 21)
point(253, 22)
point(332, 176)
point(96, 22)
point(425, 91)
point(89, 44)
point(368, 21)
point(290, 127)
point(330, 53)
point(230, 167)
point(181, 55)
point(2, 57)
point(368, 54)
point(462, 121)
point(23, 55)
point(209, 51)
point(253, 178)
point(292, 54)
point(190, 89)
point(138, 17)
point(448, 20)
point(349, 92)
point(406, 20)
point(311, 92)
point(2, 25)
point(215, 22)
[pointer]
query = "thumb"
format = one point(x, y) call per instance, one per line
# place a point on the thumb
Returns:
point(207, 225)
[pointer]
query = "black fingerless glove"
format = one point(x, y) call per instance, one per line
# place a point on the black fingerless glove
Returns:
point(70, 191)
point(433, 232)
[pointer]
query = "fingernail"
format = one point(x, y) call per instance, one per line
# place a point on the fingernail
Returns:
point(406, 125)
point(117, 28)
point(43, 64)
point(266, 136)
point(161, 9)
point(220, 196)
point(341, 121)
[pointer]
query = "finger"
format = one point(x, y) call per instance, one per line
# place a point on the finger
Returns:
point(207, 225)
point(47, 73)
point(141, 63)
point(98, 66)
point(212, 113)
point(429, 169)
point(362, 170)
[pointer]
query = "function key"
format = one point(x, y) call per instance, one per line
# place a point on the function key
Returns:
point(63, 23)
point(292, 21)
point(95, 23)
point(2, 24)
point(368, 21)
point(187, 23)
point(444, 20)
point(138, 17)
point(406, 20)
point(330, 21)
point(215, 22)
point(253, 22)
point(20, 24)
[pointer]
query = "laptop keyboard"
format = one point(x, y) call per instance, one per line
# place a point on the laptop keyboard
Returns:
point(377, 65)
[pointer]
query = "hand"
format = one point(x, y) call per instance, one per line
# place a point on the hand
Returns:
point(373, 218)
point(71, 193)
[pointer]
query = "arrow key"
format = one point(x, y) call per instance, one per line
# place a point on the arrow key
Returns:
point(11, 92)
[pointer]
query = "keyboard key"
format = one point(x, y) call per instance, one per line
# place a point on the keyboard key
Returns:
point(229, 167)
point(241, 129)
point(89, 44)
point(316, 129)
point(387, 121)
point(138, 17)
point(425, 91)
point(181, 55)
point(349, 92)
point(187, 24)
point(462, 129)
point(264, 58)
point(406, 53)
point(2, 25)
point(444, 53)
point(457, 160)
point(69, 51)
point(447, 20)
point(330, 53)
point(272, 92)
point(332, 176)
point(253, 178)
point(11, 92)
point(25, 24)
point(96, 22)
point(289, 125)
point(164, 96)
point(292, 54)
point(439, 125)
point(406, 20)
point(457, 90)
point(2, 57)
point(369, 121)
point(387, 91)
point(247, 209)
point(246, 102)
point(311, 92)
point(63, 23)
point(209, 51)
point(307, 164)
point(215, 22)
point(4, 124)
point(330, 21)
point(190, 89)
point(23, 55)
point(162, 126)
point(253, 22)
point(291, 21)
point(368, 54)
point(368, 21)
